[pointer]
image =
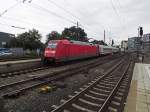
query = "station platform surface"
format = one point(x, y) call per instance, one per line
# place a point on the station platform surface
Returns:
point(19, 61)
point(138, 99)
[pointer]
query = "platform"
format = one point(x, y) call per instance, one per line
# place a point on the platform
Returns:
point(18, 61)
point(138, 99)
point(11, 66)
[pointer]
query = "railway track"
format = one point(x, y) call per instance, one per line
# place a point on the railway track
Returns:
point(25, 71)
point(15, 89)
point(105, 93)
point(20, 72)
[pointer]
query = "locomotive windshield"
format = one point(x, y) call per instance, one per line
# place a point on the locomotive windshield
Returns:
point(52, 45)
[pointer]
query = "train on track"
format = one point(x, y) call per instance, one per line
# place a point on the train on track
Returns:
point(67, 50)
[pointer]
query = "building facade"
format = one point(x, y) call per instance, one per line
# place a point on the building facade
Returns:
point(134, 43)
point(124, 44)
point(146, 42)
point(5, 38)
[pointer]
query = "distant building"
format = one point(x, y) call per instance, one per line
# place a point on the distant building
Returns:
point(5, 38)
point(146, 37)
point(124, 44)
point(146, 41)
point(134, 43)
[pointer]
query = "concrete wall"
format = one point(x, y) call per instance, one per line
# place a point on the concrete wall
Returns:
point(17, 51)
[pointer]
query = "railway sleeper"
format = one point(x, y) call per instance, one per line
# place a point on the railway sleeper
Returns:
point(63, 101)
point(99, 94)
point(122, 90)
point(110, 78)
point(107, 84)
point(99, 89)
point(85, 86)
point(116, 98)
point(9, 74)
point(119, 93)
point(125, 83)
point(104, 87)
point(78, 108)
point(117, 102)
point(4, 75)
point(110, 82)
point(70, 96)
point(16, 73)
point(116, 105)
point(96, 95)
point(54, 106)
point(93, 99)
point(87, 104)
point(114, 80)
point(82, 89)
point(111, 109)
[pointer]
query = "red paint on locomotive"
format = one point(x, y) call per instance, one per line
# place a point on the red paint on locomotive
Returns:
point(65, 50)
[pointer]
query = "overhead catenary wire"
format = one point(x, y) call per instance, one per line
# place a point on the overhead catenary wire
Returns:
point(51, 12)
point(25, 22)
point(11, 7)
point(37, 6)
point(114, 8)
point(117, 14)
point(13, 26)
point(70, 13)
point(44, 9)
point(20, 28)
point(123, 18)
point(5, 11)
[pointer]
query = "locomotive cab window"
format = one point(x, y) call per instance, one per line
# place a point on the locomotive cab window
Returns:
point(52, 45)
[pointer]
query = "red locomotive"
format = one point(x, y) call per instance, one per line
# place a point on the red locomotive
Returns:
point(66, 50)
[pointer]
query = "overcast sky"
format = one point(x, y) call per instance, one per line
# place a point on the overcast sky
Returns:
point(120, 18)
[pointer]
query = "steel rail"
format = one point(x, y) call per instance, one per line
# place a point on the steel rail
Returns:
point(79, 94)
point(52, 77)
point(108, 100)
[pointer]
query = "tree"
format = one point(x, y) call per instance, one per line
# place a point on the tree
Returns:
point(100, 42)
point(75, 33)
point(54, 35)
point(27, 40)
point(14, 42)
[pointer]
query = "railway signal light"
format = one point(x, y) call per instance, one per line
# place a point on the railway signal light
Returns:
point(140, 31)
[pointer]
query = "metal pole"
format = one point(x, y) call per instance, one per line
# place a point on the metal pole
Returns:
point(104, 35)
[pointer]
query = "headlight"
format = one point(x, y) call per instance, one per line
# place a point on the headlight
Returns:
point(49, 51)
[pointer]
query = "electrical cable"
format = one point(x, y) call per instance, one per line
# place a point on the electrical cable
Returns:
point(13, 26)
point(68, 12)
point(52, 13)
point(11, 7)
